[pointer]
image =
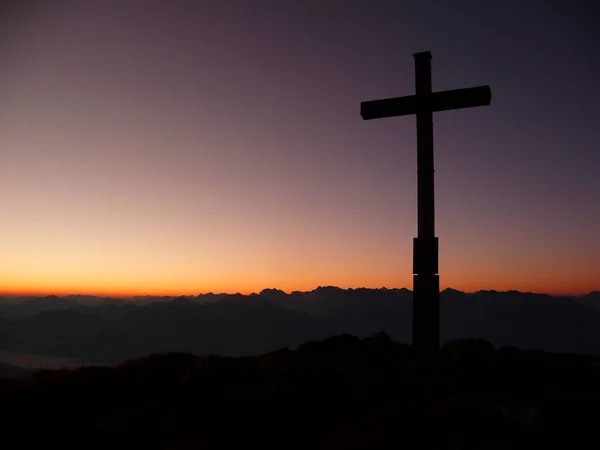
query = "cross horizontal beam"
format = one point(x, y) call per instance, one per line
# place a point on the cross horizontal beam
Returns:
point(437, 101)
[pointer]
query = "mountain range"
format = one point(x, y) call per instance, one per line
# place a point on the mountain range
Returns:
point(108, 330)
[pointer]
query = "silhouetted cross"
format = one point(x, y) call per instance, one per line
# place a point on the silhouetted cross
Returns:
point(426, 281)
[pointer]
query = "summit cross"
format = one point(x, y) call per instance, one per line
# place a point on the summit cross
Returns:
point(426, 280)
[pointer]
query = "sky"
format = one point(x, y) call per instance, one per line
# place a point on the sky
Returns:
point(178, 147)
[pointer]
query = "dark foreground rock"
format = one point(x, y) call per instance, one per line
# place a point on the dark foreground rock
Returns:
point(340, 393)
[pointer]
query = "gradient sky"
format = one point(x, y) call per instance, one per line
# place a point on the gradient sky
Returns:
point(177, 147)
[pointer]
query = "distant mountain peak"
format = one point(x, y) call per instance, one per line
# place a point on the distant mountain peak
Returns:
point(272, 291)
point(327, 288)
point(452, 291)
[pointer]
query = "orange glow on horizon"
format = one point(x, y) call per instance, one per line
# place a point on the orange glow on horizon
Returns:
point(148, 262)
point(128, 168)
point(127, 292)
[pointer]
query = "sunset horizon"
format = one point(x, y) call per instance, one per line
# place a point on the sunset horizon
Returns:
point(212, 147)
point(288, 290)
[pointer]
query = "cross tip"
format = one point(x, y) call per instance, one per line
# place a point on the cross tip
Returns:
point(422, 55)
point(364, 112)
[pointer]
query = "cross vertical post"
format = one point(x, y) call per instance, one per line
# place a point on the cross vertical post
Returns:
point(426, 280)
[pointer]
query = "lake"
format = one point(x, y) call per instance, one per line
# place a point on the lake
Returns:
point(32, 361)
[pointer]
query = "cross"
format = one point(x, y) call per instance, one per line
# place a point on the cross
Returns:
point(426, 280)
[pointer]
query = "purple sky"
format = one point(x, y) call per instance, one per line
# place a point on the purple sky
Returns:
point(186, 146)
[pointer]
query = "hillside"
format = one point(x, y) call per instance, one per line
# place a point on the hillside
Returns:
point(341, 393)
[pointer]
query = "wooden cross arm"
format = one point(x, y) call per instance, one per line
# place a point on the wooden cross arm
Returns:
point(438, 101)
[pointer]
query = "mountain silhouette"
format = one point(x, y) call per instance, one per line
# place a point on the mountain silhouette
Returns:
point(111, 330)
point(592, 300)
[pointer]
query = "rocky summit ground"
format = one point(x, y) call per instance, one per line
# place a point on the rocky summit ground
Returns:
point(340, 393)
